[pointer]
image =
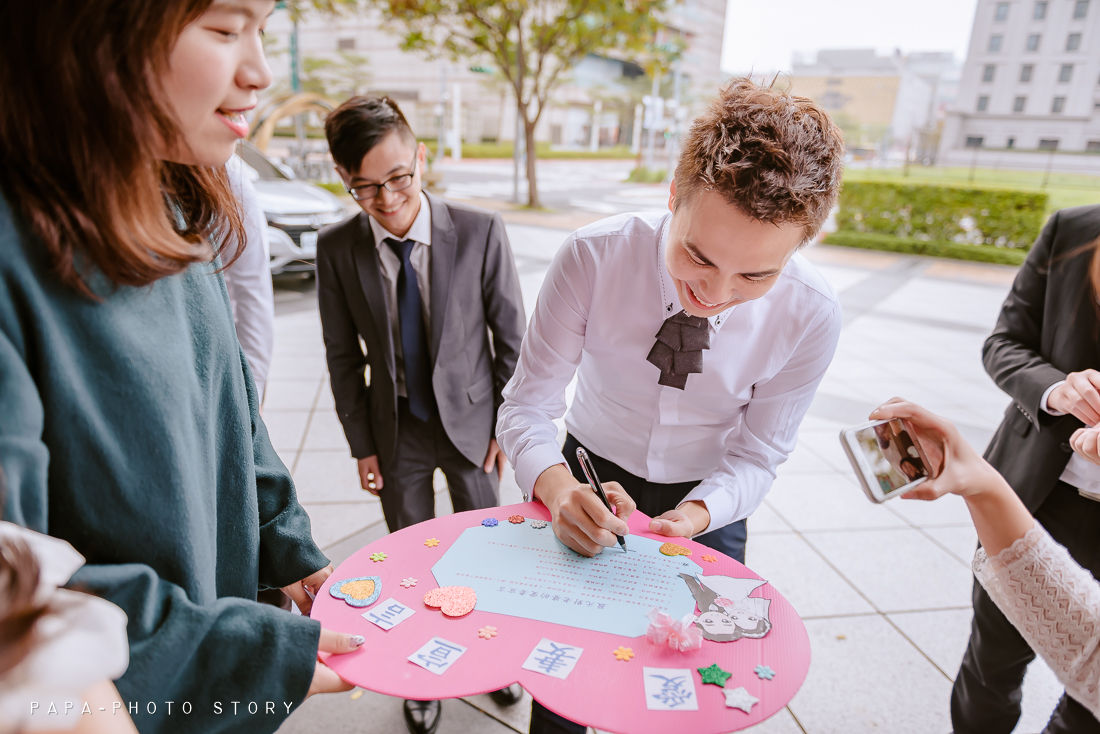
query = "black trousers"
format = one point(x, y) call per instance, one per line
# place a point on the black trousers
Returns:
point(408, 491)
point(653, 499)
point(987, 692)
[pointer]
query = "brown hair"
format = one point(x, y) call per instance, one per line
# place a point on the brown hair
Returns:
point(361, 123)
point(81, 120)
point(776, 157)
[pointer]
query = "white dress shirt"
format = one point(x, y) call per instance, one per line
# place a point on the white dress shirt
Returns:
point(248, 280)
point(421, 258)
point(1079, 472)
point(604, 299)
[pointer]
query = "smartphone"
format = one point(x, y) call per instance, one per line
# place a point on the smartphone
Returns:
point(888, 460)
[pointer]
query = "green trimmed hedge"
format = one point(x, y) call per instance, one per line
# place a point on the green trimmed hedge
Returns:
point(1004, 218)
point(933, 248)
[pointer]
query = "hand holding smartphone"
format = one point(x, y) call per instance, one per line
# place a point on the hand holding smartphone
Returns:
point(887, 458)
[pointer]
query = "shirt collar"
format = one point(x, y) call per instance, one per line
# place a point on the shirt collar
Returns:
point(420, 231)
point(671, 298)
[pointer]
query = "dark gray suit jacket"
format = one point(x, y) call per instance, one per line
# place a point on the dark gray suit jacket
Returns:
point(1048, 327)
point(477, 325)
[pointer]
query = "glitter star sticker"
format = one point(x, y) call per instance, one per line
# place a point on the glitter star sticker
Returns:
point(714, 675)
point(487, 632)
point(739, 698)
point(431, 542)
point(623, 653)
point(377, 557)
point(710, 559)
point(764, 672)
point(409, 582)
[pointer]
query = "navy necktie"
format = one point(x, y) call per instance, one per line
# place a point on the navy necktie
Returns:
point(414, 342)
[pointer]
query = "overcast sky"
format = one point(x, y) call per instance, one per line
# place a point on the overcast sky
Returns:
point(763, 34)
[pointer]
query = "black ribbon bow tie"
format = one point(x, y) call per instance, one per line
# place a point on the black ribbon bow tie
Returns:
point(678, 351)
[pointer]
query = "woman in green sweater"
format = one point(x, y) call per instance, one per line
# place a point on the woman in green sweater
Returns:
point(129, 422)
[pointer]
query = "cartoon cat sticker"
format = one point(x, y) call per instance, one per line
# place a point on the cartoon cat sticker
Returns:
point(726, 611)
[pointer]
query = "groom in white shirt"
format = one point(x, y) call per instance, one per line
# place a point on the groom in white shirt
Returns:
point(698, 338)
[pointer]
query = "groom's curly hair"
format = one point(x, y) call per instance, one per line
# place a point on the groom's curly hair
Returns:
point(776, 157)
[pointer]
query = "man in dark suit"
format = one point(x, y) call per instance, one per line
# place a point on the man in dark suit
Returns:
point(1044, 354)
point(430, 289)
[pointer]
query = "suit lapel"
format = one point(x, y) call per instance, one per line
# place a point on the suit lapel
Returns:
point(370, 277)
point(444, 251)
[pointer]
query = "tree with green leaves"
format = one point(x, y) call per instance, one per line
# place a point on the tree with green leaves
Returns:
point(338, 79)
point(534, 43)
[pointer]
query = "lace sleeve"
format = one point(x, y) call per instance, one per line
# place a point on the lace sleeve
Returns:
point(1055, 605)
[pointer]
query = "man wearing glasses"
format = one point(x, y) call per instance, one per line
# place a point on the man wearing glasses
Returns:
point(430, 289)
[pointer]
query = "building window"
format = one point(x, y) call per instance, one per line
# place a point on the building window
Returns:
point(1048, 144)
point(1080, 9)
point(1040, 11)
point(1025, 72)
point(987, 72)
point(983, 103)
point(345, 44)
point(1092, 146)
point(1001, 12)
point(1065, 73)
point(1058, 105)
point(974, 141)
point(1073, 41)
point(1033, 42)
point(1010, 143)
point(1019, 104)
point(995, 43)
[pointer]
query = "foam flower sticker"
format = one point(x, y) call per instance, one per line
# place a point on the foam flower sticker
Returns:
point(764, 672)
point(489, 522)
point(538, 524)
point(516, 519)
point(623, 653)
point(679, 634)
point(409, 582)
point(710, 559)
point(378, 557)
point(487, 632)
point(431, 542)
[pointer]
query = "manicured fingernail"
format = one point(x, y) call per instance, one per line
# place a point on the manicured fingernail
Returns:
point(357, 640)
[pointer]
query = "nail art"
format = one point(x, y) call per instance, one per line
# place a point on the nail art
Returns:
point(357, 640)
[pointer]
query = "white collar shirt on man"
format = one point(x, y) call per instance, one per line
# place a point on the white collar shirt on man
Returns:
point(421, 233)
point(600, 307)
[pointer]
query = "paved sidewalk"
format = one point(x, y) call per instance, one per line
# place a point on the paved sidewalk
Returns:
point(884, 590)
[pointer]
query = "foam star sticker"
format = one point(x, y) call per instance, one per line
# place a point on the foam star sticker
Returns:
point(431, 542)
point(378, 557)
point(714, 675)
point(739, 698)
point(764, 672)
point(409, 582)
point(487, 632)
point(623, 653)
point(710, 559)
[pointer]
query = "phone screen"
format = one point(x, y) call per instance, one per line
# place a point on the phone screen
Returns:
point(889, 451)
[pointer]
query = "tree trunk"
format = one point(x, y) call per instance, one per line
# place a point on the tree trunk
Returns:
point(532, 183)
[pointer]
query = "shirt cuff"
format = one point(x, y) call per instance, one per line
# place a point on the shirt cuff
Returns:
point(1046, 395)
point(717, 501)
point(533, 462)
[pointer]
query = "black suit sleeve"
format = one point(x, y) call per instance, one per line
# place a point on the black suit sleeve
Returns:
point(503, 303)
point(1012, 353)
point(346, 361)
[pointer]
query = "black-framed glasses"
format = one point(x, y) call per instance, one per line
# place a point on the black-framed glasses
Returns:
point(397, 183)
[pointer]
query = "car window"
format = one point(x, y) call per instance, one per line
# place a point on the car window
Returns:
point(253, 157)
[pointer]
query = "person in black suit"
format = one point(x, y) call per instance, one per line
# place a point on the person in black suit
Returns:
point(1044, 354)
point(422, 319)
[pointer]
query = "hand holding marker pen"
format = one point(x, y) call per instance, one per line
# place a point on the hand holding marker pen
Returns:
point(590, 474)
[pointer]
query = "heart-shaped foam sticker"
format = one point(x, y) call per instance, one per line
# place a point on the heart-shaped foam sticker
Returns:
point(453, 601)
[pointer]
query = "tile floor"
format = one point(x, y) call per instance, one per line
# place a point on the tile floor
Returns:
point(884, 590)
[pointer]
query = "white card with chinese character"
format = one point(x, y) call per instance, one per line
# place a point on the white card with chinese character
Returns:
point(669, 689)
point(437, 655)
point(388, 614)
point(553, 658)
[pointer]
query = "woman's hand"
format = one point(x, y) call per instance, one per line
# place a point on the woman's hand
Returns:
point(956, 467)
point(312, 583)
point(580, 519)
point(1086, 442)
point(325, 679)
